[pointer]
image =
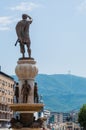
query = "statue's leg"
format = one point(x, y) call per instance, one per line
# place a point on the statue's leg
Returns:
point(28, 49)
point(37, 99)
point(23, 98)
point(16, 99)
point(26, 98)
point(22, 49)
point(34, 99)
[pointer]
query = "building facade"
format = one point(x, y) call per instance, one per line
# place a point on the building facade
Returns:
point(6, 97)
point(58, 117)
point(68, 126)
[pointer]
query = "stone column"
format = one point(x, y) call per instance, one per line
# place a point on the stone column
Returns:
point(26, 70)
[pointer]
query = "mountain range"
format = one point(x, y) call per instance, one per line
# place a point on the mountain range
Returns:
point(61, 92)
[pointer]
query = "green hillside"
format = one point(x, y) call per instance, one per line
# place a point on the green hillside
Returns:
point(62, 92)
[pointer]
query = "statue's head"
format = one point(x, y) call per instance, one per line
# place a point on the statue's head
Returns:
point(35, 83)
point(25, 81)
point(24, 16)
point(17, 83)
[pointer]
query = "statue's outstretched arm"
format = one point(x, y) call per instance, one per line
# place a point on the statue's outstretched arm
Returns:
point(30, 18)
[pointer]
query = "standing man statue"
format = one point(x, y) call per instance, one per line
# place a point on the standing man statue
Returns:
point(22, 30)
point(36, 96)
point(17, 92)
point(25, 91)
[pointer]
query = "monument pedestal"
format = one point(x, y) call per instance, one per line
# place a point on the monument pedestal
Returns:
point(26, 70)
point(26, 113)
point(26, 107)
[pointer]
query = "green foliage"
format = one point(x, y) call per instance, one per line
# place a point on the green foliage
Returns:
point(82, 116)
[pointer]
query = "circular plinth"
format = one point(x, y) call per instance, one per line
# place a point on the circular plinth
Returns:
point(26, 69)
point(21, 107)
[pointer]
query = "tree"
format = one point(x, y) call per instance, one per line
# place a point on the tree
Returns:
point(82, 116)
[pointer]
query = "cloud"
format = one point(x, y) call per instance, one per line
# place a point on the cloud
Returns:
point(5, 20)
point(25, 6)
point(5, 23)
point(3, 28)
point(82, 6)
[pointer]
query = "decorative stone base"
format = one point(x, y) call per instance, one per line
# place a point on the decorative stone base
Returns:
point(27, 129)
point(26, 69)
point(26, 119)
point(30, 107)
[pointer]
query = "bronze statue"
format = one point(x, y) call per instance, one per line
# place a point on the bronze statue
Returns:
point(37, 123)
point(36, 97)
point(22, 30)
point(15, 123)
point(17, 92)
point(25, 91)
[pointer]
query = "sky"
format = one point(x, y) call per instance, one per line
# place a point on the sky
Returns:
point(57, 33)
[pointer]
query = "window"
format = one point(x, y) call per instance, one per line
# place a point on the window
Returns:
point(8, 99)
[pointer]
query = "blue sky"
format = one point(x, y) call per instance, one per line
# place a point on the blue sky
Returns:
point(58, 35)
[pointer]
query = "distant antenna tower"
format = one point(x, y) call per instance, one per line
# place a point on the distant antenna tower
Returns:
point(69, 72)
